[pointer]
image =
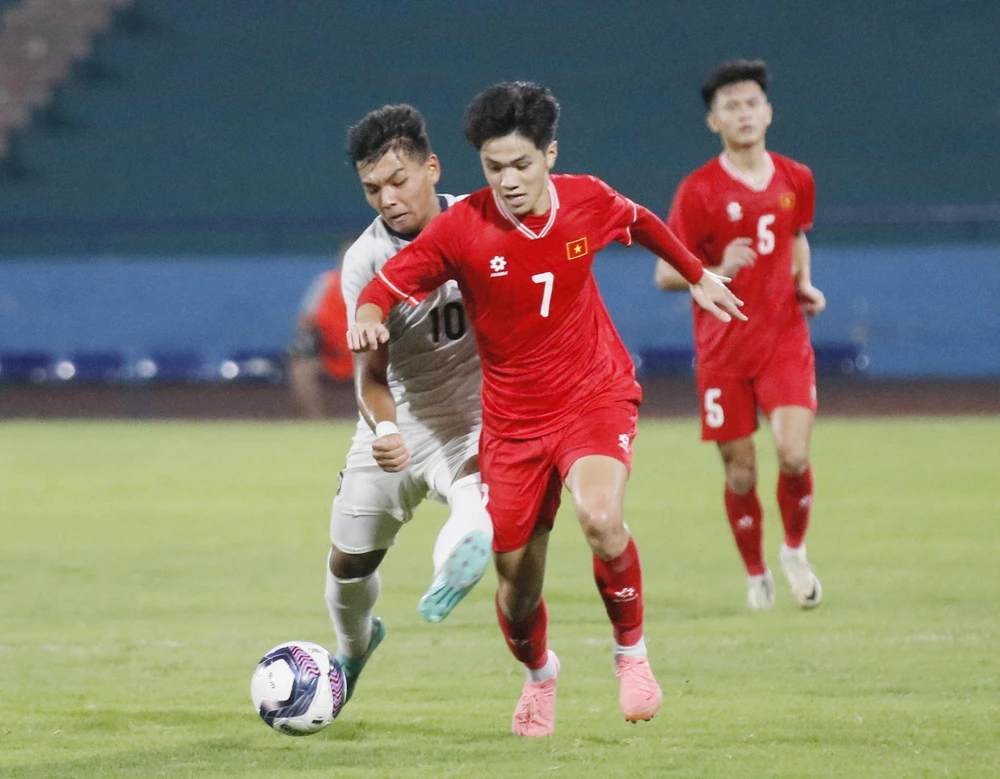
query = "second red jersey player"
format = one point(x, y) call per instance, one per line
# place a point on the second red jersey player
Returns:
point(559, 394)
point(718, 204)
point(746, 214)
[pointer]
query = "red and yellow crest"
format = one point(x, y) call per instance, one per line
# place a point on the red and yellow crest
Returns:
point(788, 201)
point(577, 248)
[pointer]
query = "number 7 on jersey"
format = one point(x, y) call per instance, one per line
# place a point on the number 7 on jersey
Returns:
point(547, 279)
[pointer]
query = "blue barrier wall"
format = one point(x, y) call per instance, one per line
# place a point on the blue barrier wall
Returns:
point(919, 312)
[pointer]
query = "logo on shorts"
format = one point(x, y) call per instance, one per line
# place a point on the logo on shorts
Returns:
point(625, 594)
point(623, 442)
point(734, 211)
point(499, 266)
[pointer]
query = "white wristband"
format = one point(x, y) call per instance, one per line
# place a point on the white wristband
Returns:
point(385, 428)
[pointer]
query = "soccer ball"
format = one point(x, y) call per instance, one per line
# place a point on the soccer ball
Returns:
point(298, 688)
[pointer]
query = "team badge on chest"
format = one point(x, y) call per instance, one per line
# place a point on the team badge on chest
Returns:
point(576, 249)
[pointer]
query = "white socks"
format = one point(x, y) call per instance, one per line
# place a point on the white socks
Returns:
point(350, 603)
point(467, 515)
point(637, 650)
point(548, 671)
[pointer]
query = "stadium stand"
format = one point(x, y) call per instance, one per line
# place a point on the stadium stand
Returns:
point(202, 127)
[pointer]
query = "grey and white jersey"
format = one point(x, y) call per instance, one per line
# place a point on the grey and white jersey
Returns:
point(434, 371)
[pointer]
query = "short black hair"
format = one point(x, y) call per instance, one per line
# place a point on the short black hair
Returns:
point(391, 127)
point(513, 106)
point(733, 72)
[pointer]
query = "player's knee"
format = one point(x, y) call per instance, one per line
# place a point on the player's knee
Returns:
point(792, 458)
point(344, 565)
point(601, 520)
point(740, 478)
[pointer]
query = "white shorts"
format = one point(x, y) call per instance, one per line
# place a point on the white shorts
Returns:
point(372, 505)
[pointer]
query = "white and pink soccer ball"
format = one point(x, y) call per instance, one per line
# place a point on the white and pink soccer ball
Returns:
point(298, 688)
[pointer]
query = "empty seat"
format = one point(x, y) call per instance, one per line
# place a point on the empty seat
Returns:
point(176, 367)
point(253, 366)
point(25, 367)
point(105, 367)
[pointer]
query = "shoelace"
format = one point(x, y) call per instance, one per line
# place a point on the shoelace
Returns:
point(638, 673)
point(526, 711)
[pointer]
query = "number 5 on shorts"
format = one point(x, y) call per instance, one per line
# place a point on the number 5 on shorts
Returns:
point(714, 415)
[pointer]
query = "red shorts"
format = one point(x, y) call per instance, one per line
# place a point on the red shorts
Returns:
point(729, 403)
point(522, 479)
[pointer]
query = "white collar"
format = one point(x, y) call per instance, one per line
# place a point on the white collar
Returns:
point(553, 207)
point(740, 176)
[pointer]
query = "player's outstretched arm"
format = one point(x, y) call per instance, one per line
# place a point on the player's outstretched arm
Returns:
point(712, 294)
point(368, 331)
point(707, 288)
point(378, 407)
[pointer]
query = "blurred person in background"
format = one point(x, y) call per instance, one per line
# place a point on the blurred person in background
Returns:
point(745, 214)
point(318, 352)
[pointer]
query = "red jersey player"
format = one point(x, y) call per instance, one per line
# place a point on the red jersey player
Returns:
point(745, 214)
point(559, 394)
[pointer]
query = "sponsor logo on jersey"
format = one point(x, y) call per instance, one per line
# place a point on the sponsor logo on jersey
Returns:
point(577, 248)
point(734, 211)
point(787, 201)
point(499, 266)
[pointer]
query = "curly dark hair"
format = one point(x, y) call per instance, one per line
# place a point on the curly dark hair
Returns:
point(391, 127)
point(521, 107)
point(732, 73)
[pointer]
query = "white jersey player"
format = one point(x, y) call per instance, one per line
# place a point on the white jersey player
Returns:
point(418, 432)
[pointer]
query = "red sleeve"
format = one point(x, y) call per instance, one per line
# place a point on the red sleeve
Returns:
point(806, 198)
point(617, 212)
point(418, 269)
point(650, 232)
point(685, 217)
point(627, 220)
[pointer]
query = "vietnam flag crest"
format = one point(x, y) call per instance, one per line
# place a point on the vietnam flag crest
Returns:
point(577, 248)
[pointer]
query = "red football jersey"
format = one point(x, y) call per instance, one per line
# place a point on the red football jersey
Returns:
point(548, 347)
point(717, 204)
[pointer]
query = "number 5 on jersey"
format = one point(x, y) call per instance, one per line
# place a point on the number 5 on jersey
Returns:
point(714, 415)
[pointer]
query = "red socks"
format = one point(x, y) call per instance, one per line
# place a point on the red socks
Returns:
point(527, 640)
point(620, 583)
point(746, 519)
point(795, 497)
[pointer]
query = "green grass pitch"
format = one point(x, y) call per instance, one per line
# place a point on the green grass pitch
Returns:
point(145, 568)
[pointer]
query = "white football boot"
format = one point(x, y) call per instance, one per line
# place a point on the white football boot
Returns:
point(802, 581)
point(760, 592)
